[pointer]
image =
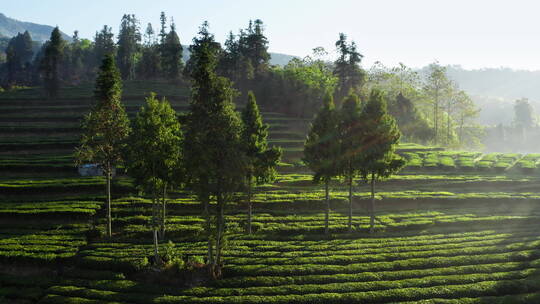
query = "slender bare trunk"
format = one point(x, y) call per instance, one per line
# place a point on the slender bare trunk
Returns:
point(448, 125)
point(156, 252)
point(163, 211)
point(154, 227)
point(461, 129)
point(220, 233)
point(350, 200)
point(109, 217)
point(155, 214)
point(208, 226)
point(327, 214)
point(436, 117)
point(250, 205)
point(372, 205)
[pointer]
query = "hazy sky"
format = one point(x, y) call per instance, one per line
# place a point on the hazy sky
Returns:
point(472, 33)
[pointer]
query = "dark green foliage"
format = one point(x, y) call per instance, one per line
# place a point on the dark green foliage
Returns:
point(253, 46)
point(18, 59)
point(411, 122)
point(321, 149)
point(214, 159)
point(380, 136)
point(349, 128)
point(299, 87)
point(51, 61)
point(172, 55)
point(347, 69)
point(104, 44)
point(245, 59)
point(261, 161)
point(154, 154)
point(129, 39)
point(106, 127)
point(149, 66)
point(205, 40)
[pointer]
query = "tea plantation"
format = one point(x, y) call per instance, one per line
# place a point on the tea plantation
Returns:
point(453, 227)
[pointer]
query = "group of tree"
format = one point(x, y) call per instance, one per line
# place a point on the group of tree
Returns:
point(216, 153)
point(430, 109)
point(60, 62)
point(356, 140)
point(298, 88)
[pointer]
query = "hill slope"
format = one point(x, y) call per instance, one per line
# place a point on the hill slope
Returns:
point(10, 27)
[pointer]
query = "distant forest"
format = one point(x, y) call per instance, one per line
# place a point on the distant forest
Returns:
point(435, 105)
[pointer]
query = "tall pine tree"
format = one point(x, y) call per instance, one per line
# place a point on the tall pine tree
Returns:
point(349, 134)
point(172, 54)
point(215, 163)
point(380, 136)
point(129, 39)
point(51, 62)
point(103, 45)
point(321, 149)
point(261, 160)
point(347, 68)
point(18, 58)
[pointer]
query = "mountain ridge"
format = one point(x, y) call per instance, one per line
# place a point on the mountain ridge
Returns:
point(10, 27)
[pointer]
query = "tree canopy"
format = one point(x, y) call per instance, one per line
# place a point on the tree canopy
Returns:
point(106, 127)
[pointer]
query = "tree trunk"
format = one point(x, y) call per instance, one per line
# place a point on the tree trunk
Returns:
point(155, 214)
point(448, 125)
point(163, 211)
point(156, 251)
point(220, 234)
point(350, 201)
point(461, 130)
point(436, 117)
point(208, 226)
point(327, 215)
point(372, 205)
point(109, 218)
point(250, 205)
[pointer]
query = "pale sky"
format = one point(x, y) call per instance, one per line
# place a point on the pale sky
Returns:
point(473, 33)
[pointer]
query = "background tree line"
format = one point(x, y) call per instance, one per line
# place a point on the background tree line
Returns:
point(138, 56)
point(429, 107)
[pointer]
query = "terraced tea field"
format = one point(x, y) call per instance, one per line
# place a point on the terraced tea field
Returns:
point(453, 227)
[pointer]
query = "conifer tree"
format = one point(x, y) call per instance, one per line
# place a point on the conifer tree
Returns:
point(215, 163)
point(154, 156)
point(261, 160)
point(347, 69)
point(50, 64)
point(105, 128)
point(129, 39)
point(349, 134)
point(321, 149)
point(172, 54)
point(163, 29)
point(150, 62)
point(380, 136)
point(18, 58)
point(103, 44)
